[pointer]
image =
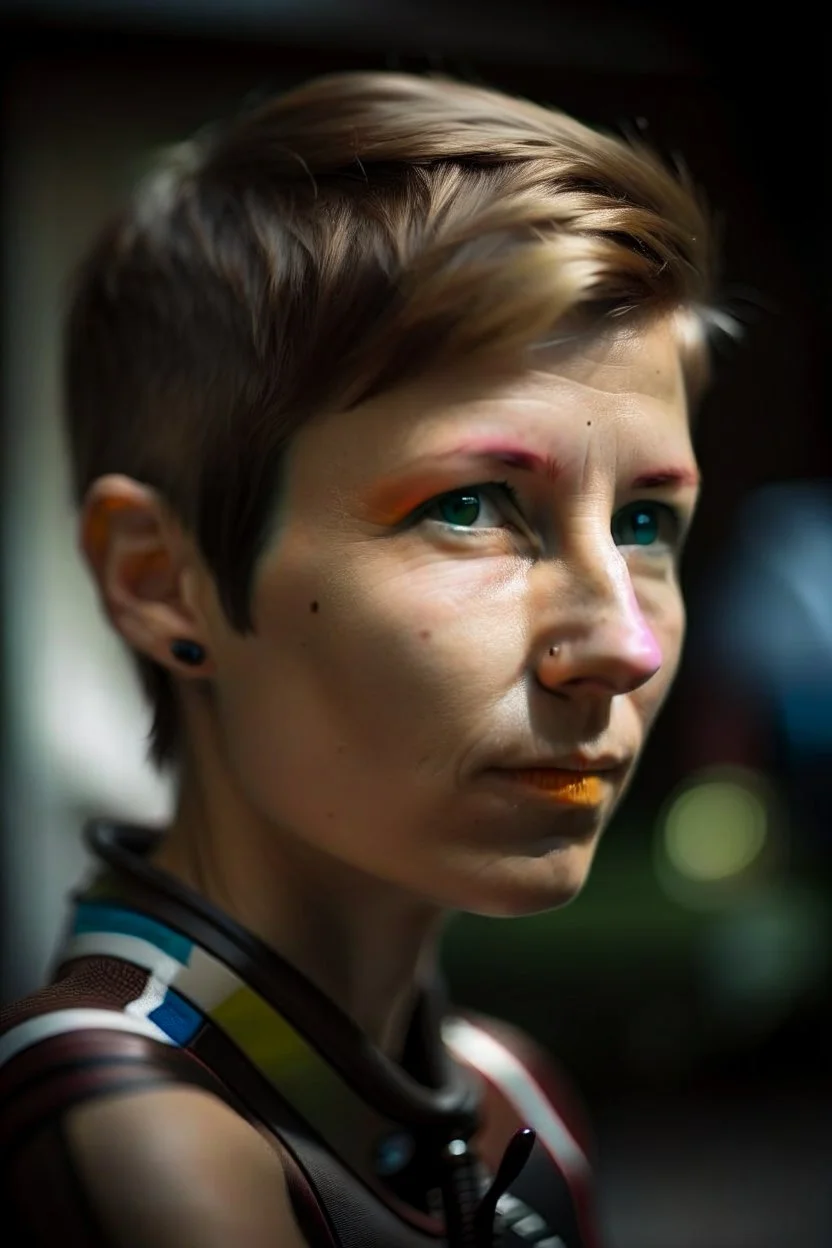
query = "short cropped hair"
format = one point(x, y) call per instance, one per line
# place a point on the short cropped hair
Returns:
point(327, 246)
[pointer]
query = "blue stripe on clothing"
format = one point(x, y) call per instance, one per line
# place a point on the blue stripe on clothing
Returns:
point(92, 916)
point(177, 1018)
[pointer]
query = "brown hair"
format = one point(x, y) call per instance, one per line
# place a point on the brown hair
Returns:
point(324, 247)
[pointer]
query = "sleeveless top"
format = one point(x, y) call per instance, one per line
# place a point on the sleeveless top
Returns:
point(471, 1142)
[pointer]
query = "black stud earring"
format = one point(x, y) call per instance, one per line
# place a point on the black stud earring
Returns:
point(190, 652)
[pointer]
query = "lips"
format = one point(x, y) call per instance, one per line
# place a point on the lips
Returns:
point(570, 787)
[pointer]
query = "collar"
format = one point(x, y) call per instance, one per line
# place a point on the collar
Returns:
point(215, 988)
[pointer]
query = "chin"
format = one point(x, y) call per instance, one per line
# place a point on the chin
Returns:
point(518, 886)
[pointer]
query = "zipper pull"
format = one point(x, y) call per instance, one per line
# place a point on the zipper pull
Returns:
point(518, 1151)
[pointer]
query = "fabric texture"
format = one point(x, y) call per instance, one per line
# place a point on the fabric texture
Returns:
point(155, 989)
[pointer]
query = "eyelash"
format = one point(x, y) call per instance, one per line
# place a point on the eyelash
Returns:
point(667, 515)
point(504, 488)
point(510, 494)
point(481, 487)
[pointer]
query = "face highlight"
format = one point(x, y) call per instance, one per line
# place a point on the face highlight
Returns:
point(495, 622)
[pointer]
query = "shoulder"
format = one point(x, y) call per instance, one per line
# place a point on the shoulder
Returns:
point(95, 982)
point(114, 1139)
point(175, 1165)
point(57, 1054)
point(109, 1136)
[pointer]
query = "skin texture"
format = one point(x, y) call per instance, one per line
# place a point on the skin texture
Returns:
point(339, 792)
point(214, 1180)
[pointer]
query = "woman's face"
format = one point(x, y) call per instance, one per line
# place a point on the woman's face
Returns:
point(468, 597)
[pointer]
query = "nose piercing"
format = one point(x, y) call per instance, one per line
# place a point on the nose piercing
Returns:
point(554, 651)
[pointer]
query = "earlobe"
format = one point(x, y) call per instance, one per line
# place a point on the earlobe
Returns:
point(190, 652)
point(138, 555)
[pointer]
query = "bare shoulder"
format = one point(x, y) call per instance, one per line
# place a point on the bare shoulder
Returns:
point(175, 1166)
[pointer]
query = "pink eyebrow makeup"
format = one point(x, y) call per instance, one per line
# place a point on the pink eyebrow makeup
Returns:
point(511, 456)
point(667, 477)
point(394, 497)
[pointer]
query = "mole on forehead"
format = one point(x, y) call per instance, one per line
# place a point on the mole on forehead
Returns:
point(607, 385)
point(637, 362)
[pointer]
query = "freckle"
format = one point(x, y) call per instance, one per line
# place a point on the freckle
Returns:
point(330, 814)
point(425, 634)
point(588, 423)
point(339, 749)
point(314, 607)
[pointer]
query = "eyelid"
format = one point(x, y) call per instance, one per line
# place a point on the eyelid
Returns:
point(503, 489)
point(677, 517)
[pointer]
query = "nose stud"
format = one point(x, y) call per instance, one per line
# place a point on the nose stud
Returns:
point(554, 651)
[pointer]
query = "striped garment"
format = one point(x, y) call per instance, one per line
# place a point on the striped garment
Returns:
point(149, 965)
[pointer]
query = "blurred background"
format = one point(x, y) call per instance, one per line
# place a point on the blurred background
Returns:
point(688, 991)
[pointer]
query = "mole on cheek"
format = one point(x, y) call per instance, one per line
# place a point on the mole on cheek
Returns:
point(314, 607)
point(425, 634)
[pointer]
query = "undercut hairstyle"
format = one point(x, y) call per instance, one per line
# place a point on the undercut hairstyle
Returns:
point(329, 245)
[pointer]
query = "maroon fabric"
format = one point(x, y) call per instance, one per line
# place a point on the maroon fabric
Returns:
point(89, 983)
point(501, 1120)
point(44, 1082)
point(41, 1084)
point(558, 1089)
point(44, 1199)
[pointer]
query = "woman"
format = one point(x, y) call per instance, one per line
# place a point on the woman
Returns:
point(378, 404)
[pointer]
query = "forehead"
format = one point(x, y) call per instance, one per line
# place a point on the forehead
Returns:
point(624, 387)
point(643, 361)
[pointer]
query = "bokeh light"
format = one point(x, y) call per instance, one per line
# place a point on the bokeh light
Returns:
point(715, 829)
point(717, 835)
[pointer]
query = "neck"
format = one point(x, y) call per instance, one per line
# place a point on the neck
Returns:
point(368, 947)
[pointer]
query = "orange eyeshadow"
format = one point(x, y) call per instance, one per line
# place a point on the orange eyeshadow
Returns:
point(390, 502)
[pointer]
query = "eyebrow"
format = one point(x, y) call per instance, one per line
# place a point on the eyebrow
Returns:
point(524, 460)
point(508, 454)
point(667, 477)
point(392, 498)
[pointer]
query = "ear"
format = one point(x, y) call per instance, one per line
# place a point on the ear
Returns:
point(146, 569)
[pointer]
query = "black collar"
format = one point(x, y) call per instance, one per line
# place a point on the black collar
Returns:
point(385, 1122)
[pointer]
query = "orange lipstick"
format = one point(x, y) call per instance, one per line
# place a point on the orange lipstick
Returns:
point(571, 788)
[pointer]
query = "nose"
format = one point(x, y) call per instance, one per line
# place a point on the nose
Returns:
point(597, 640)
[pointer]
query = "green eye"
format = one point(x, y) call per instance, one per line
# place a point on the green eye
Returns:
point(461, 509)
point(479, 508)
point(645, 524)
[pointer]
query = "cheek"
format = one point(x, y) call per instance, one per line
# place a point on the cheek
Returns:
point(674, 625)
point(423, 612)
point(356, 662)
point(359, 714)
point(667, 625)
